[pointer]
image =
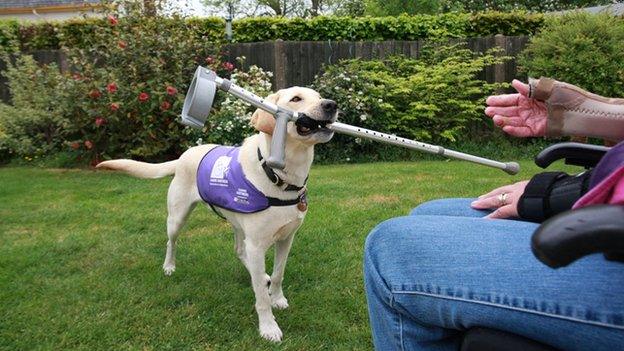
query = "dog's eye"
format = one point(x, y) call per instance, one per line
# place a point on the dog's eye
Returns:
point(295, 99)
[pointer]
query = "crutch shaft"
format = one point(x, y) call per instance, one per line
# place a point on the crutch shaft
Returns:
point(509, 167)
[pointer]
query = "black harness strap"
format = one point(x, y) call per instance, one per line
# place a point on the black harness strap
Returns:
point(273, 201)
point(275, 179)
point(215, 211)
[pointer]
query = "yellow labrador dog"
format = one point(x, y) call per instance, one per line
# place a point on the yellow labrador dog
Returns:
point(256, 231)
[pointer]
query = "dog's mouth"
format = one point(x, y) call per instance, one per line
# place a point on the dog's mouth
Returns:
point(307, 125)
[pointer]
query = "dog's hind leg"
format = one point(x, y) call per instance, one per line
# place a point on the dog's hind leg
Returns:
point(180, 202)
point(239, 245)
point(256, 265)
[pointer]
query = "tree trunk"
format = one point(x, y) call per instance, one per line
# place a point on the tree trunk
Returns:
point(274, 5)
point(149, 7)
point(316, 4)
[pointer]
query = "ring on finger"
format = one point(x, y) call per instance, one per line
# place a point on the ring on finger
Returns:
point(502, 199)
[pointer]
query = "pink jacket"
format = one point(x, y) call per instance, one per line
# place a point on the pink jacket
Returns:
point(607, 181)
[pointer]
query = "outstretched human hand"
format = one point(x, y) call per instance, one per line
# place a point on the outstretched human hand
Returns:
point(504, 206)
point(518, 114)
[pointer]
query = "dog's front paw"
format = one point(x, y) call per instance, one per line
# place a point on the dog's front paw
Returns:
point(271, 331)
point(169, 269)
point(280, 303)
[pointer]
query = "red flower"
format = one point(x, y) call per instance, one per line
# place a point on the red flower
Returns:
point(99, 121)
point(112, 20)
point(77, 76)
point(165, 105)
point(143, 97)
point(112, 87)
point(122, 44)
point(114, 106)
point(94, 162)
point(171, 90)
point(88, 144)
point(210, 60)
point(228, 66)
point(94, 94)
point(75, 145)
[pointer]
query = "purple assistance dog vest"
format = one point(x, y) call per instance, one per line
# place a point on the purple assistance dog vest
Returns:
point(221, 182)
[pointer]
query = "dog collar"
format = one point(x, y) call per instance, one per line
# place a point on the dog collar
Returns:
point(277, 180)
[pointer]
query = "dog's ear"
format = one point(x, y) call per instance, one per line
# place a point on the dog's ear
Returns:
point(262, 120)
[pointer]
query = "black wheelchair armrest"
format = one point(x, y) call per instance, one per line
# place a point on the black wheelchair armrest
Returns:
point(578, 154)
point(571, 235)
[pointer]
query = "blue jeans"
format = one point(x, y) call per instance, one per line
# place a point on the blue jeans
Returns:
point(432, 275)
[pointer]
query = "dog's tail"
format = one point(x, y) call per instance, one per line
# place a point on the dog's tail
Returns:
point(140, 169)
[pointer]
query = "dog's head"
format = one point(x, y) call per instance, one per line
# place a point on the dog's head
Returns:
point(303, 100)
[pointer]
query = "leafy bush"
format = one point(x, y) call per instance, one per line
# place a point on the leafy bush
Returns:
point(34, 125)
point(230, 125)
point(433, 98)
point(129, 83)
point(77, 32)
point(582, 49)
point(122, 97)
point(8, 35)
point(507, 23)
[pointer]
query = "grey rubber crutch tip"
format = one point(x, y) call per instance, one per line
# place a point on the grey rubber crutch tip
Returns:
point(512, 168)
point(199, 98)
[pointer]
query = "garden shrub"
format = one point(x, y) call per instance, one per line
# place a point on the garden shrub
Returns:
point(507, 23)
point(34, 125)
point(230, 122)
point(8, 35)
point(123, 95)
point(128, 85)
point(77, 32)
point(433, 98)
point(582, 49)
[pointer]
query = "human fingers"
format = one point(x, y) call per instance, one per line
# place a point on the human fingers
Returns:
point(505, 111)
point(507, 211)
point(513, 121)
point(499, 190)
point(487, 203)
point(503, 100)
point(520, 87)
point(521, 132)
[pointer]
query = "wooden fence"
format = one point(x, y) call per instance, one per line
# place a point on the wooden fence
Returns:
point(297, 62)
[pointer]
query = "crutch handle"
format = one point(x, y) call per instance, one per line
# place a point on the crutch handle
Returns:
point(278, 141)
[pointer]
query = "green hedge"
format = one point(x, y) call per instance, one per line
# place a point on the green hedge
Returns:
point(52, 35)
point(581, 49)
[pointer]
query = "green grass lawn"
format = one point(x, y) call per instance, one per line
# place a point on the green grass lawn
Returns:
point(82, 251)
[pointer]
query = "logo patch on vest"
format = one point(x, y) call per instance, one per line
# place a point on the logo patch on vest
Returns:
point(220, 170)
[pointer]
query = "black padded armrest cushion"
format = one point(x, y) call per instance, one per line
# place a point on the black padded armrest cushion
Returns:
point(578, 154)
point(571, 235)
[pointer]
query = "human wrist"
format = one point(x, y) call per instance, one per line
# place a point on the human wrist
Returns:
point(573, 111)
point(551, 193)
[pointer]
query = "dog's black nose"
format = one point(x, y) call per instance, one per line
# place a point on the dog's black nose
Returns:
point(329, 106)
